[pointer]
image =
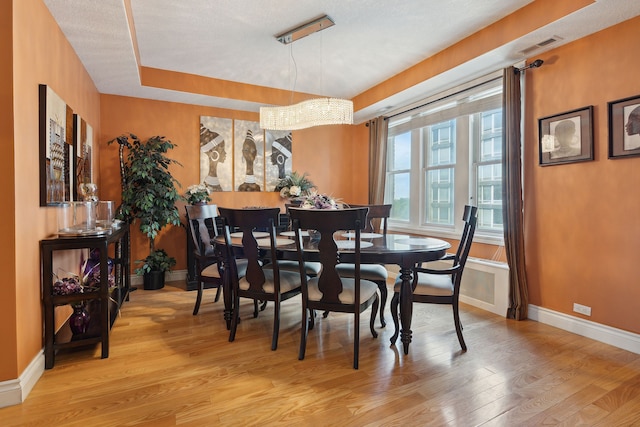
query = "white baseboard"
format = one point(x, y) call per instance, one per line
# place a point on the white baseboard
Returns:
point(14, 392)
point(606, 334)
point(172, 276)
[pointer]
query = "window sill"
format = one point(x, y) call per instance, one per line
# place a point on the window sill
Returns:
point(444, 234)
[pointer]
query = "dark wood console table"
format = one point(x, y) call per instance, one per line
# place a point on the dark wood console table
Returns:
point(105, 301)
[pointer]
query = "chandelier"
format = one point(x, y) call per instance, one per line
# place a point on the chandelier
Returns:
point(306, 114)
point(311, 112)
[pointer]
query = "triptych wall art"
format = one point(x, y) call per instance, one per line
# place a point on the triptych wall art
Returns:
point(236, 155)
point(568, 137)
point(66, 144)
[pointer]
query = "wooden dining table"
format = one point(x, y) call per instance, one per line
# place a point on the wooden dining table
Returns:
point(400, 249)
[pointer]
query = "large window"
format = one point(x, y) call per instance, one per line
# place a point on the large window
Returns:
point(443, 155)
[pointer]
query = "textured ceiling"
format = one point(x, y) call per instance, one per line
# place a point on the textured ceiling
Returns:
point(233, 40)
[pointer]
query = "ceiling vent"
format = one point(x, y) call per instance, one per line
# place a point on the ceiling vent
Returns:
point(543, 43)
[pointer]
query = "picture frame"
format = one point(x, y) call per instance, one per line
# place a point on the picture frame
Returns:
point(56, 136)
point(624, 127)
point(83, 155)
point(566, 137)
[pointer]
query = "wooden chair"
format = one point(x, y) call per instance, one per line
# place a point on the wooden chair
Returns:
point(312, 268)
point(260, 283)
point(375, 272)
point(441, 286)
point(329, 291)
point(201, 222)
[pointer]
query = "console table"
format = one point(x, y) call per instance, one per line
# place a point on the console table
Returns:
point(105, 301)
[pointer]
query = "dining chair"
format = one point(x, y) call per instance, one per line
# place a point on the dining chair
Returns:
point(201, 224)
point(311, 268)
point(329, 291)
point(376, 222)
point(441, 286)
point(262, 282)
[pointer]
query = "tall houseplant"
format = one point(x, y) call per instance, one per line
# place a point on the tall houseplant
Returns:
point(149, 196)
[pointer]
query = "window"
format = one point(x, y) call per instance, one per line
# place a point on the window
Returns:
point(445, 154)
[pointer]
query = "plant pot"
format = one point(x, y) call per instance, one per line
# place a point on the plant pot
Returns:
point(154, 280)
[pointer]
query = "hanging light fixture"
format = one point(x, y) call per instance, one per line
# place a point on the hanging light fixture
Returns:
point(311, 112)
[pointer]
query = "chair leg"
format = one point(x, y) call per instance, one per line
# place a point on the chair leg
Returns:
point(218, 293)
point(303, 332)
point(394, 314)
point(196, 308)
point(276, 325)
point(456, 321)
point(235, 318)
point(255, 308)
point(382, 286)
point(356, 339)
point(372, 321)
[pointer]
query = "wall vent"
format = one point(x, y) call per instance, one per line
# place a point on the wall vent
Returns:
point(541, 44)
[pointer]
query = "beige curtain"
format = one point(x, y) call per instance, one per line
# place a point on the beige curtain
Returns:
point(512, 196)
point(378, 131)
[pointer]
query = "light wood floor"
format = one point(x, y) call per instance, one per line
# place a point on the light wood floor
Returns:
point(167, 367)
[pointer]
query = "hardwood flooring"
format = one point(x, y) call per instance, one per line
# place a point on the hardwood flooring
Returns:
point(167, 367)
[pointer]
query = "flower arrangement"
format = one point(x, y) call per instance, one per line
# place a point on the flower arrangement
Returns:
point(294, 185)
point(197, 193)
point(318, 201)
point(88, 282)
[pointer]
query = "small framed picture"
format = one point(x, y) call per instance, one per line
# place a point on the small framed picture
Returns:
point(624, 127)
point(566, 137)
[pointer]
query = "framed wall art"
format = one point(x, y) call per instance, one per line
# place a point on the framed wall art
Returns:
point(216, 158)
point(83, 148)
point(248, 142)
point(624, 127)
point(566, 137)
point(278, 158)
point(56, 148)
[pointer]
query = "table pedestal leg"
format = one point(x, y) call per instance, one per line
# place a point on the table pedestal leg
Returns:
point(406, 308)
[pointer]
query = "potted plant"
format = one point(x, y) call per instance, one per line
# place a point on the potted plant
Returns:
point(294, 186)
point(197, 194)
point(149, 196)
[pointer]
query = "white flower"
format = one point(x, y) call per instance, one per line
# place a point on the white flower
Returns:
point(284, 193)
point(295, 191)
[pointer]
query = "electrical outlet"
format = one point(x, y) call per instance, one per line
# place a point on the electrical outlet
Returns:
point(582, 309)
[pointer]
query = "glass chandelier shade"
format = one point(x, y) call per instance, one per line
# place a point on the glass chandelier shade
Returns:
point(306, 114)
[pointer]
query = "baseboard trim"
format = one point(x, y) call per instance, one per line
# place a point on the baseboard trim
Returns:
point(14, 392)
point(172, 276)
point(606, 334)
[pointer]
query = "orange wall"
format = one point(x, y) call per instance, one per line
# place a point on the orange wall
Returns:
point(41, 54)
point(8, 302)
point(582, 226)
point(334, 156)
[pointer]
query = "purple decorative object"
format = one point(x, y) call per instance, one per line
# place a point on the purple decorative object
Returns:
point(79, 320)
point(91, 270)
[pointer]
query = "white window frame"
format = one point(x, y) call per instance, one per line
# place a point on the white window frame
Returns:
point(435, 110)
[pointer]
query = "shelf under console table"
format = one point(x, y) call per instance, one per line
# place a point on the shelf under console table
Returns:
point(105, 302)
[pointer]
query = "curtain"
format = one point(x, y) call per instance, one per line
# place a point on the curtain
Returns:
point(378, 130)
point(512, 196)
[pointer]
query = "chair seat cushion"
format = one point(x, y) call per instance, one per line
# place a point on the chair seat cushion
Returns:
point(347, 296)
point(367, 271)
point(430, 284)
point(311, 268)
point(288, 280)
point(211, 271)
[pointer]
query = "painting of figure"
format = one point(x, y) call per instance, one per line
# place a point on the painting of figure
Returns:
point(215, 143)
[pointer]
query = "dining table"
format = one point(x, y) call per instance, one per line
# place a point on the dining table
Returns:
point(401, 249)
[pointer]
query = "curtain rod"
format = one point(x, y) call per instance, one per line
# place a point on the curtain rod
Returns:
point(443, 98)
